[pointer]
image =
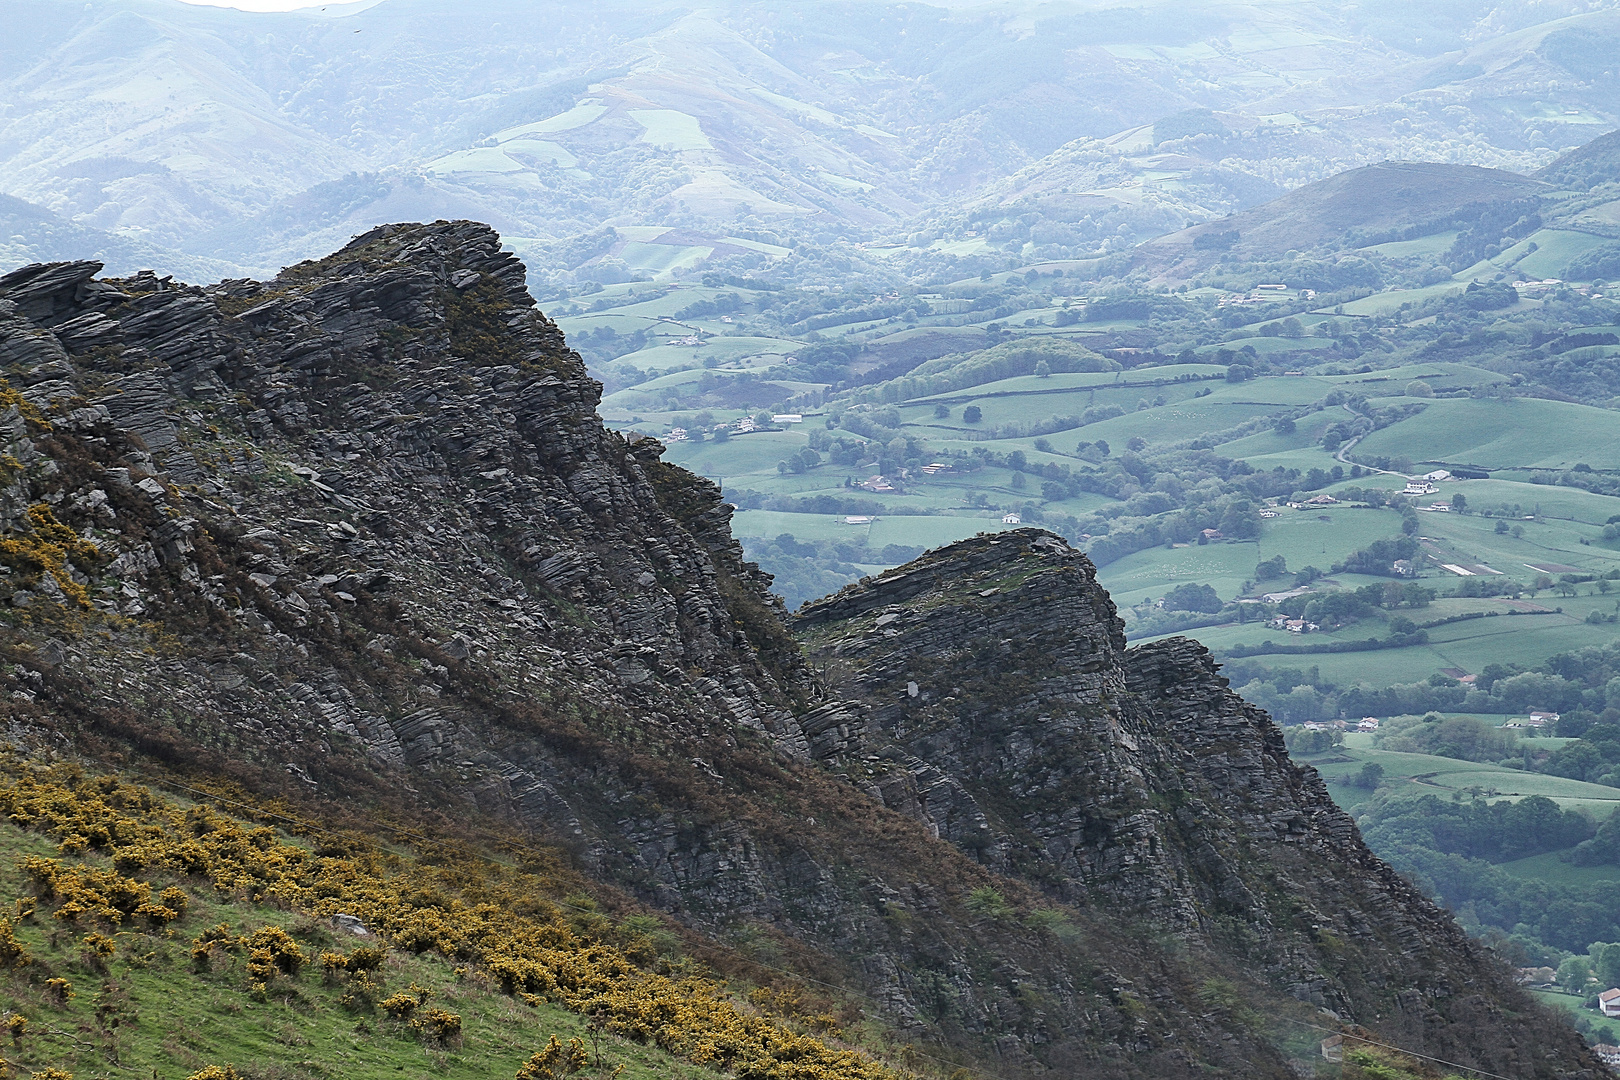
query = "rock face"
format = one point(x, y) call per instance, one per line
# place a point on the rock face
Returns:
point(355, 538)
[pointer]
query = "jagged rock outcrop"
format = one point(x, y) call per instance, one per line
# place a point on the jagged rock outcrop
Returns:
point(1006, 714)
point(355, 537)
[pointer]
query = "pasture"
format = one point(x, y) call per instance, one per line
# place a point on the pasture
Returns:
point(1522, 433)
point(1429, 774)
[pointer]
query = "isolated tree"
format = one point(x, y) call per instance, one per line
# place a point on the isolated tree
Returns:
point(1043, 370)
point(972, 414)
point(1419, 388)
point(1459, 502)
point(1370, 776)
point(942, 412)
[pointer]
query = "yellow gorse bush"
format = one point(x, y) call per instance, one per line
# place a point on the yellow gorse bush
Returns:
point(48, 549)
point(456, 905)
point(556, 1061)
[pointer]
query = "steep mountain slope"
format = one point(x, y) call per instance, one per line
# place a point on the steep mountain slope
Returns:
point(355, 539)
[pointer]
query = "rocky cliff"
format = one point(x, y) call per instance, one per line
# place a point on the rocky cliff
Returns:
point(354, 538)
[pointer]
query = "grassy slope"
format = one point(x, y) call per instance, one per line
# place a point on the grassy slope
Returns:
point(149, 1013)
point(1499, 434)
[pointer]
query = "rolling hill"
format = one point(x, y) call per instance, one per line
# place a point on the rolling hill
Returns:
point(1395, 200)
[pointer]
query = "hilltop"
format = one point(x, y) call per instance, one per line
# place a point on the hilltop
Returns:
point(1357, 208)
point(351, 546)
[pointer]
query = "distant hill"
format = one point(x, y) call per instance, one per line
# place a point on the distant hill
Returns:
point(953, 138)
point(1392, 200)
point(1595, 163)
point(32, 233)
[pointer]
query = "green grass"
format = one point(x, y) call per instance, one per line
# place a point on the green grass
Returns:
point(1557, 502)
point(1556, 249)
point(742, 456)
point(1385, 302)
point(1499, 434)
point(662, 258)
point(1304, 539)
point(1428, 774)
point(723, 350)
point(1154, 572)
point(1270, 346)
point(1175, 422)
point(1551, 868)
point(1469, 537)
point(147, 1013)
point(1434, 244)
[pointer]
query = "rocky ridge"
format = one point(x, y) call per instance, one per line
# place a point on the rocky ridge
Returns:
point(355, 537)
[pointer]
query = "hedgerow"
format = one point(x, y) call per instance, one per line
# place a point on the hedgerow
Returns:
point(463, 908)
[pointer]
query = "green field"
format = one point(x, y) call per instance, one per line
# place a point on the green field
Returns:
point(1426, 773)
point(1555, 249)
point(1500, 434)
point(1152, 573)
point(1550, 867)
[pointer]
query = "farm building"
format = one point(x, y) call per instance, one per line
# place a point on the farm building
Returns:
point(877, 484)
point(1609, 1002)
point(1011, 519)
point(1437, 476)
point(1419, 487)
point(1367, 723)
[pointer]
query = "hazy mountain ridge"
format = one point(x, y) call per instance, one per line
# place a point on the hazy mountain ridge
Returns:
point(174, 123)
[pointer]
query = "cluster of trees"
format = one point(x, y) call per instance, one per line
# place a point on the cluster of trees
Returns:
point(1378, 558)
point(1451, 849)
point(1461, 737)
point(1474, 828)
